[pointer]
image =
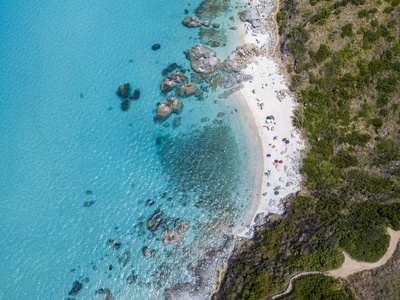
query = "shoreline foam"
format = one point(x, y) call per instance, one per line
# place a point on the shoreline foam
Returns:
point(277, 101)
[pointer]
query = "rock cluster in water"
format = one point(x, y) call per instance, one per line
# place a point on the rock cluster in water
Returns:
point(186, 90)
point(212, 8)
point(124, 92)
point(164, 110)
point(155, 220)
point(194, 22)
point(203, 59)
point(172, 81)
point(250, 16)
point(76, 287)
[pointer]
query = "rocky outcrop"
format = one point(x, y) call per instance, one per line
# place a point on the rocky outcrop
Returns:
point(164, 110)
point(192, 22)
point(131, 278)
point(172, 81)
point(147, 252)
point(240, 58)
point(155, 220)
point(170, 68)
point(175, 235)
point(203, 59)
point(237, 79)
point(186, 90)
point(124, 90)
point(156, 47)
point(250, 16)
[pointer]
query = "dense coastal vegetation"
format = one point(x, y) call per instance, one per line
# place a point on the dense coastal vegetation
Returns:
point(343, 58)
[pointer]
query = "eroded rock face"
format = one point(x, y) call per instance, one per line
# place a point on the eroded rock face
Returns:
point(203, 59)
point(164, 110)
point(240, 58)
point(105, 292)
point(186, 90)
point(172, 81)
point(155, 220)
point(175, 235)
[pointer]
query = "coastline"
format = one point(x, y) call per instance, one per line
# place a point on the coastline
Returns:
point(267, 95)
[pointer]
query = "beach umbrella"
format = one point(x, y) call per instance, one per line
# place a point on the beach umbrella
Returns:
point(287, 142)
point(273, 146)
point(275, 160)
point(284, 139)
point(268, 184)
point(281, 161)
point(268, 155)
point(275, 163)
point(276, 193)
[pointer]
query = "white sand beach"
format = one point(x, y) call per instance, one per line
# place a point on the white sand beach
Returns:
point(272, 105)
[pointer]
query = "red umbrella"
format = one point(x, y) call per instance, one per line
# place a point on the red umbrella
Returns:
point(281, 161)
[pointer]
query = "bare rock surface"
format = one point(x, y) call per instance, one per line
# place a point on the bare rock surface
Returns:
point(172, 81)
point(240, 58)
point(203, 59)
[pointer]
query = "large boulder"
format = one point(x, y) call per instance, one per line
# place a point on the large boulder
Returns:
point(203, 59)
point(240, 58)
point(164, 110)
point(186, 90)
point(171, 81)
point(250, 16)
point(175, 235)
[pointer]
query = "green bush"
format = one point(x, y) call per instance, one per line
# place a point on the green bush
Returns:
point(345, 160)
point(347, 30)
point(321, 16)
point(356, 138)
point(388, 84)
point(322, 53)
point(377, 122)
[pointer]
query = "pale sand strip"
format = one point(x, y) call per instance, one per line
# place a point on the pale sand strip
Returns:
point(284, 177)
point(351, 266)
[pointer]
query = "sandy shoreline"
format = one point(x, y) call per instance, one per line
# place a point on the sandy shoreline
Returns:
point(265, 96)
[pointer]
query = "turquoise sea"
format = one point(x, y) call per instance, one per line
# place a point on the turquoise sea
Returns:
point(78, 173)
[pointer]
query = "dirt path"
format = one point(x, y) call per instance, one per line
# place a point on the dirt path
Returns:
point(351, 266)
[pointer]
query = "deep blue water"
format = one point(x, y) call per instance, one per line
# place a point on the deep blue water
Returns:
point(64, 141)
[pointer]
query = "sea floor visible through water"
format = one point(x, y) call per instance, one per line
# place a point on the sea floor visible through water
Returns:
point(81, 177)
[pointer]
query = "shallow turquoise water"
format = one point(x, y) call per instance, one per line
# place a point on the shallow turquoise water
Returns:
point(62, 132)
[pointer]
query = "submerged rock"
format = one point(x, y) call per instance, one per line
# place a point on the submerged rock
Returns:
point(164, 110)
point(124, 258)
point(240, 58)
point(171, 68)
point(156, 47)
point(155, 220)
point(76, 287)
point(174, 236)
point(186, 90)
point(105, 292)
point(177, 122)
point(149, 202)
point(125, 105)
point(136, 95)
point(212, 37)
point(88, 203)
point(147, 252)
point(131, 278)
point(124, 90)
point(172, 81)
point(203, 59)
point(212, 8)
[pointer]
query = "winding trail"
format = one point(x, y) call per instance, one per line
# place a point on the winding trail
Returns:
point(349, 267)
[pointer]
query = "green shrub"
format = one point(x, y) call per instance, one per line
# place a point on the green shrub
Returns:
point(345, 160)
point(386, 151)
point(374, 23)
point(347, 30)
point(377, 122)
point(388, 10)
point(321, 16)
point(322, 53)
point(356, 138)
point(363, 14)
point(388, 84)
